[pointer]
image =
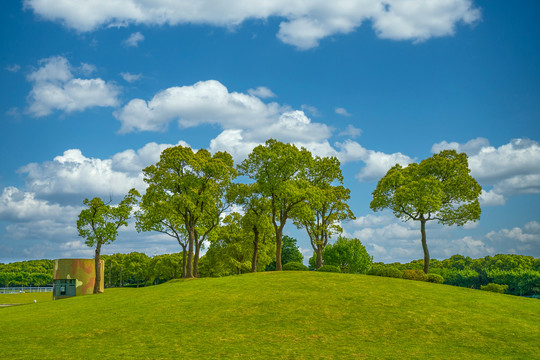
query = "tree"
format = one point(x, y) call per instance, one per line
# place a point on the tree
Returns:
point(347, 254)
point(438, 188)
point(325, 206)
point(256, 217)
point(99, 225)
point(279, 170)
point(188, 188)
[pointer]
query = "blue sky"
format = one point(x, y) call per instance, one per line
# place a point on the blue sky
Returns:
point(93, 92)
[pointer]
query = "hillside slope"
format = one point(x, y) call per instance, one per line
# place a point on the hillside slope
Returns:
point(287, 315)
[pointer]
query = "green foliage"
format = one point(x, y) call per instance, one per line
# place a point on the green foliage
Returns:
point(386, 271)
point(297, 266)
point(289, 251)
point(348, 254)
point(279, 171)
point(185, 197)
point(325, 207)
point(329, 268)
point(496, 288)
point(99, 223)
point(435, 278)
point(417, 275)
point(438, 188)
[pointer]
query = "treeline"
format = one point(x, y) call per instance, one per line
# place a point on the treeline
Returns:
point(27, 273)
point(517, 274)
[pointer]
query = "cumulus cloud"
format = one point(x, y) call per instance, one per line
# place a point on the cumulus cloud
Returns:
point(72, 176)
point(303, 23)
point(525, 241)
point(56, 88)
point(262, 92)
point(130, 78)
point(134, 39)
point(376, 163)
point(511, 169)
point(244, 118)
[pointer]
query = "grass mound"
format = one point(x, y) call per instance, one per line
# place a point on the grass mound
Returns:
point(285, 315)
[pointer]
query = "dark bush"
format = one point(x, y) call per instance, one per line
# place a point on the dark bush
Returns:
point(295, 266)
point(417, 275)
point(329, 268)
point(496, 288)
point(435, 278)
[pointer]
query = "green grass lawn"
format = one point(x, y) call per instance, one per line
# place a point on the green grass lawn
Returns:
point(287, 315)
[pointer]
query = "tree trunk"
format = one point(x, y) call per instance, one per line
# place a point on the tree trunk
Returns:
point(255, 249)
point(184, 263)
point(97, 281)
point(279, 235)
point(196, 258)
point(191, 237)
point(318, 251)
point(424, 245)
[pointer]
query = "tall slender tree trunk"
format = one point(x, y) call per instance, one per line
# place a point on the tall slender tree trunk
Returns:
point(97, 266)
point(255, 249)
point(196, 258)
point(191, 237)
point(279, 235)
point(424, 245)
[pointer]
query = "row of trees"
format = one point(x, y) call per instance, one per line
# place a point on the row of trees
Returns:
point(27, 273)
point(189, 192)
point(521, 273)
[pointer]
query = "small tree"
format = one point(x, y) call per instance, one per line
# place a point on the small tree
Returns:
point(347, 254)
point(438, 188)
point(99, 225)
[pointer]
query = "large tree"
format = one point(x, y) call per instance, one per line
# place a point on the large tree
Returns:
point(279, 170)
point(99, 224)
point(191, 185)
point(438, 188)
point(326, 206)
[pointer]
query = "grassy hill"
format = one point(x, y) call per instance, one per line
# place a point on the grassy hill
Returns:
point(287, 315)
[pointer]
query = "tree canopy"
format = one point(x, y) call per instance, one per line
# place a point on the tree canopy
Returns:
point(438, 188)
point(186, 192)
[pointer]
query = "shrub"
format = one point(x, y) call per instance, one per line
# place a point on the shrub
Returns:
point(348, 254)
point(386, 271)
point(329, 268)
point(295, 266)
point(417, 275)
point(435, 278)
point(496, 288)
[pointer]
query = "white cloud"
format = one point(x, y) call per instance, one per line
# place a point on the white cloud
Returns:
point(262, 92)
point(17, 205)
point(134, 39)
point(206, 102)
point(376, 163)
point(130, 77)
point(243, 117)
point(71, 177)
point(55, 88)
point(342, 111)
point(491, 198)
point(351, 131)
point(511, 169)
point(525, 241)
point(304, 23)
